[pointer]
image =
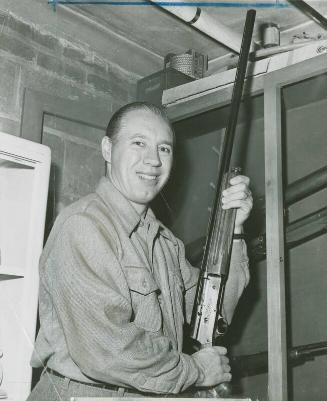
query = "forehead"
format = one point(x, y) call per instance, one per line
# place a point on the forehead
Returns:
point(147, 123)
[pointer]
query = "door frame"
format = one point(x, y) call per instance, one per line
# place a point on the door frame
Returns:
point(275, 237)
point(36, 104)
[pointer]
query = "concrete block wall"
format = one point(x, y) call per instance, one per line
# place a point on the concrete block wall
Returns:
point(76, 162)
point(32, 57)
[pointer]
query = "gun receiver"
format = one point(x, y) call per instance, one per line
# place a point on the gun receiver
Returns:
point(208, 318)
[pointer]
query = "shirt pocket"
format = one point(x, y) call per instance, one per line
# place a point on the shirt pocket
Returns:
point(144, 294)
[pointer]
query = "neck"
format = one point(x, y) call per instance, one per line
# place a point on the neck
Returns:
point(139, 208)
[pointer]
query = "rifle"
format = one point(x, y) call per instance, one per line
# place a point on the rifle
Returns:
point(207, 316)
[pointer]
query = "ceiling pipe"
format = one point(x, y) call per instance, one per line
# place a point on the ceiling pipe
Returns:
point(204, 22)
point(310, 12)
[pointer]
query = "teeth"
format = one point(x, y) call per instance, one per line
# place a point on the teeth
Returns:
point(148, 177)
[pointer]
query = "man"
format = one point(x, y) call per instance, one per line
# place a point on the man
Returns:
point(115, 287)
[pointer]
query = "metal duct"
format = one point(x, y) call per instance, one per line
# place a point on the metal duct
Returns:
point(205, 23)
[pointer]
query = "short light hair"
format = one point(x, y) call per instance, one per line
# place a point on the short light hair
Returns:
point(116, 120)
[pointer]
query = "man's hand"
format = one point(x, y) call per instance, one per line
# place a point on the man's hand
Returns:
point(213, 365)
point(239, 196)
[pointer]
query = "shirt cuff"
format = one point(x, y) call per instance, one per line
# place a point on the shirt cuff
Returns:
point(186, 374)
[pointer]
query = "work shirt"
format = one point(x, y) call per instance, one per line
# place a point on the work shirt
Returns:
point(115, 290)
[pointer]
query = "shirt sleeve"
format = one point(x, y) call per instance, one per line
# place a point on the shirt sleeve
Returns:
point(91, 298)
point(190, 276)
point(238, 278)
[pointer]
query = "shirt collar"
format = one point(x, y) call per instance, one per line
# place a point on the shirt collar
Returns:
point(164, 231)
point(126, 213)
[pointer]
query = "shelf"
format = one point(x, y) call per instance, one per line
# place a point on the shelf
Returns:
point(11, 272)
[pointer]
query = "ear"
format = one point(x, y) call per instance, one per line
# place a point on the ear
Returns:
point(106, 147)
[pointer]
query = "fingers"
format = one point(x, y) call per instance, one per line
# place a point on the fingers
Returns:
point(214, 366)
point(238, 200)
point(224, 360)
point(219, 349)
point(240, 183)
point(226, 377)
point(236, 189)
point(238, 195)
point(238, 179)
point(225, 367)
point(244, 204)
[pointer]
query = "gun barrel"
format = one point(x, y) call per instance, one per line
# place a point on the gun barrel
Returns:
point(219, 238)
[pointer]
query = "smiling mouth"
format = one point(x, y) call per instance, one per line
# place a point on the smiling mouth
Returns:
point(147, 177)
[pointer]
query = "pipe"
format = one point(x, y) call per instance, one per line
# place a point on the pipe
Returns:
point(254, 364)
point(310, 11)
point(297, 232)
point(249, 365)
point(204, 22)
point(304, 229)
point(299, 189)
point(306, 186)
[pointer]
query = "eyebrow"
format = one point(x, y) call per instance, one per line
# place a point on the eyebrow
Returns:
point(136, 135)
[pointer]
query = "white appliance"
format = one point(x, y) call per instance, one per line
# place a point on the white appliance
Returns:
point(24, 180)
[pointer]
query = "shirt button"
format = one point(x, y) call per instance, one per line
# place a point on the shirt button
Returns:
point(141, 224)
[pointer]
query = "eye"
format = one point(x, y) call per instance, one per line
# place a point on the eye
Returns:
point(165, 149)
point(139, 143)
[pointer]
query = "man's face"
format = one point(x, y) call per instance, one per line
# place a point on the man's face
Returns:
point(141, 157)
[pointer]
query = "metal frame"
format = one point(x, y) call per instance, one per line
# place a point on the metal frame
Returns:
point(213, 99)
point(277, 351)
point(271, 84)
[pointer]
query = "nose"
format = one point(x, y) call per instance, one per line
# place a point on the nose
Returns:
point(152, 157)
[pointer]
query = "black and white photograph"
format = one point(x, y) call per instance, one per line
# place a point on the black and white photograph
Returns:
point(163, 200)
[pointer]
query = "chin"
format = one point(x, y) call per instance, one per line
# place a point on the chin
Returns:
point(146, 199)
